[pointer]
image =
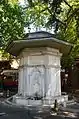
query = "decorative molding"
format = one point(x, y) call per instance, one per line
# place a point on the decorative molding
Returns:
point(45, 66)
point(40, 51)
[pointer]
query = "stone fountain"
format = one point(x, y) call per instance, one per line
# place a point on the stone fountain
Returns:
point(39, 80)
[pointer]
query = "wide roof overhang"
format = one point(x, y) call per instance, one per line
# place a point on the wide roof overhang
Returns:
point(15, 47)
point(38, 39)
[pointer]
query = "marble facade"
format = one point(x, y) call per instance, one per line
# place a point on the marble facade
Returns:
point(39, 68)
point(39, 72)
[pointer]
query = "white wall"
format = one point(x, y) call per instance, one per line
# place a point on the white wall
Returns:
point(40, 72)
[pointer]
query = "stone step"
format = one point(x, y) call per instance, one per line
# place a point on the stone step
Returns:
point(71, 102)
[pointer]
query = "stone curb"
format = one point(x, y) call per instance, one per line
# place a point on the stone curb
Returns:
point(13, 104)
point(7, 101)
point(71, 102)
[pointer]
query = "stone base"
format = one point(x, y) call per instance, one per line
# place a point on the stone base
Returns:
point(23, 101)
point(19, 100)
point(60, 100)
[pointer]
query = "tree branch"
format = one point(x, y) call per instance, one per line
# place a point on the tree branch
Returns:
point(73, 14)
point(67, 3)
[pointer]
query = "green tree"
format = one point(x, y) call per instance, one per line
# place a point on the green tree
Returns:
point(11, 22)
point(62, 15)
point(36, 16)
point(70, 31)
point(52, 10)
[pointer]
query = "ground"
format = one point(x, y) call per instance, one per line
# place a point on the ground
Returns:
point(12, 112)
point(8, 111)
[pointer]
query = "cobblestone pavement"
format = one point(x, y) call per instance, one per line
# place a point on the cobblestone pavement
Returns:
point(13, 112)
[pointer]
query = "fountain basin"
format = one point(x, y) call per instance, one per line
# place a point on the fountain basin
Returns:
point(19, 100)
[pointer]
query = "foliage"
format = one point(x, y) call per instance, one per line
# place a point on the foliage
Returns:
point(62, 15)
point(51, 9)
point(11, 22)
point(36, 16)
point(70, 31)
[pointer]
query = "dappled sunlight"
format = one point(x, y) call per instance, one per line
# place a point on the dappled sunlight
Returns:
point(15, 64)
point(70, 114)
point(65, 114)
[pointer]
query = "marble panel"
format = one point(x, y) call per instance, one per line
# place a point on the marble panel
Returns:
point(39, 72)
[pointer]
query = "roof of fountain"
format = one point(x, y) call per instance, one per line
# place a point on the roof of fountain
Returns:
point(38, 39)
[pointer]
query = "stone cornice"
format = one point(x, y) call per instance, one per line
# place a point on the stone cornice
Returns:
point(40, 51)
point(44, 66)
